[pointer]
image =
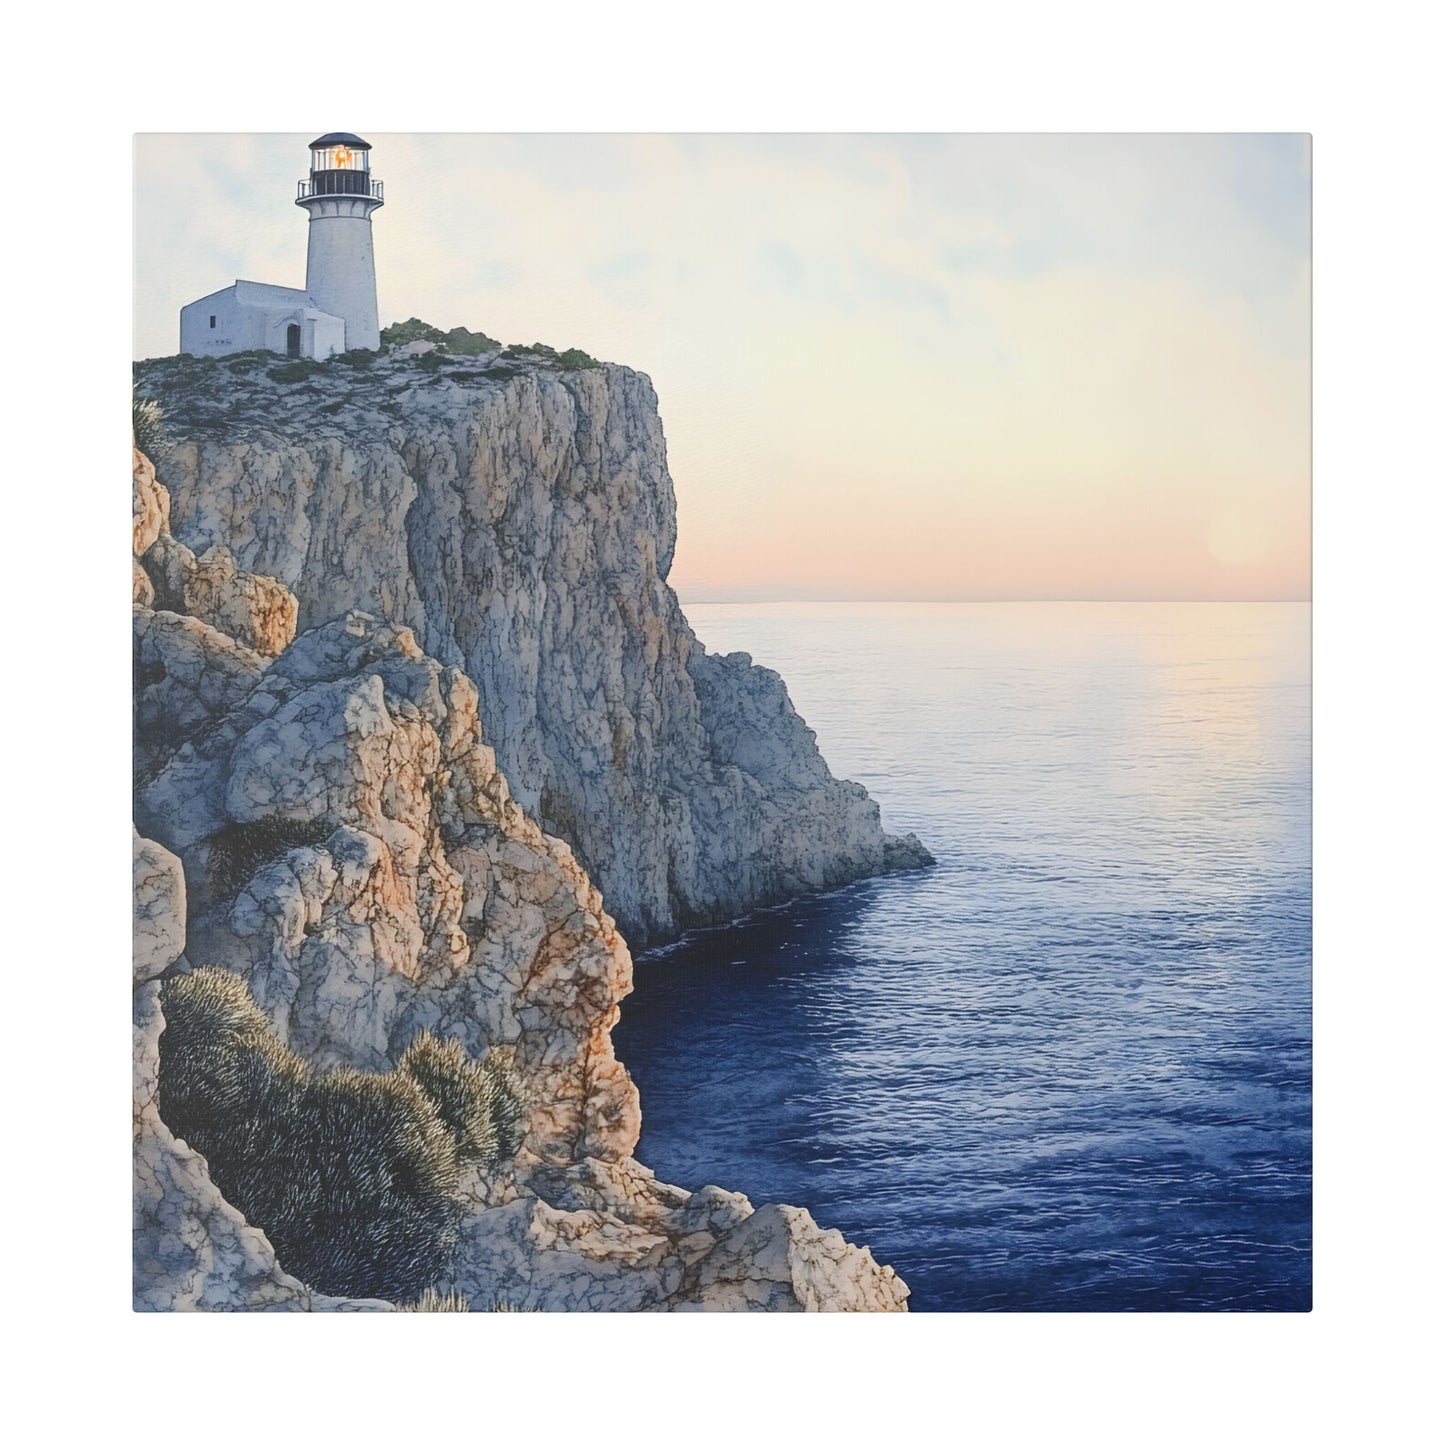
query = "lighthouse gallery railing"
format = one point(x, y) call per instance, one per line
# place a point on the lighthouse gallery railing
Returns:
point(339, 183)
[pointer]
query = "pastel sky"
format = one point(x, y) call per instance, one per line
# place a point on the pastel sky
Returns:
point(889, 366)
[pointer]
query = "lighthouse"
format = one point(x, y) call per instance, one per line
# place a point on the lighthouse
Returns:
point(337, 310)
point(339, 196)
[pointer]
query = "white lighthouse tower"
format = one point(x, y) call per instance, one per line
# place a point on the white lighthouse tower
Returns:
point(339, 196)
point(337, 310)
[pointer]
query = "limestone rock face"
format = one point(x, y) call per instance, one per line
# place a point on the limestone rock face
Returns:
point(341, 836)
point(520, 521)
point(160, 908)
point(151, 504)
point(634, 1244)
point(330, 822)
point(357, 855)
point(187, 677)
point(255, 611)
point(777, 1259)
point(258, 612)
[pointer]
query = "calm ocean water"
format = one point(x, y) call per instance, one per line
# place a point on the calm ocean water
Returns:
point(1069, 1068)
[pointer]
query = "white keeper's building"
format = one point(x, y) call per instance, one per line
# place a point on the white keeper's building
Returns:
point(337, 310)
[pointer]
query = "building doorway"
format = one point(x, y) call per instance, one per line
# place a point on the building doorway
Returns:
point(293, 340)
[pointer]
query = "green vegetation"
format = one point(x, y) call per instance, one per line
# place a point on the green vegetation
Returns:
point(148, 424)
point(572, 359)
point(461, 342)
point(400, 332)
point(239, 849)
point(431, 1302)
point(357, 358)
point(355, 1178)
point(537, 348)
point(248, 360)
point(294, 371)
point(457, 342)
point(575, 360)
point(478, 1102)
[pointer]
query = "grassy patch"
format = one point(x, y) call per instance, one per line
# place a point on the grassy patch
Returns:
point(238, 850)
point(432, 1302)
point(295, 371)
point(148, 424)
point(415, 329)
point(573, 359)
point(461, 342)
point(248, 360)
point(536, 349)
point(355, 1178)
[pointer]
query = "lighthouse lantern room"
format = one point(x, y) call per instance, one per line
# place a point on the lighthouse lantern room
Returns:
point(340, 165)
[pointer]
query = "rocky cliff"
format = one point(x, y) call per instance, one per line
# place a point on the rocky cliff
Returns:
point(518, 519)
point(323, 818)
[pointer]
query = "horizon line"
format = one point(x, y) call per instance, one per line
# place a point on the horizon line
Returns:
point(994, 601)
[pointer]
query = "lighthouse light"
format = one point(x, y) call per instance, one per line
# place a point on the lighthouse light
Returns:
point(343, 157)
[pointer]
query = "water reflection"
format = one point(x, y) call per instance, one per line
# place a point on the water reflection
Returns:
point(1068, 1068)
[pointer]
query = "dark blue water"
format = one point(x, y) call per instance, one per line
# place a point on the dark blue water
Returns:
point(1069, 1068)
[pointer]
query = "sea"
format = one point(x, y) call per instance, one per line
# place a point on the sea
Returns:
point(1069, 1068)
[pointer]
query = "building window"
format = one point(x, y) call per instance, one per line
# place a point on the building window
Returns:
point(213, 323)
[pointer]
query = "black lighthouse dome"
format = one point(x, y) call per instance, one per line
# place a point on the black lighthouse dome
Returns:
point(341, 138)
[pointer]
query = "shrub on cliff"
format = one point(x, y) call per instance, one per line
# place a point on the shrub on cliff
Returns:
point(147, 424)
point(456, 342)
point(355, 1178)
point(244, 361)
point(461, 342)
point(415, 329)
point(479, 1102)
point(294, 371)
point(432, 1302)
point(537, 348)
point(575, 360)
point(239, 849)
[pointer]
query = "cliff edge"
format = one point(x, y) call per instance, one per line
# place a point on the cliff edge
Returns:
point(519, 519)
point(323, 820)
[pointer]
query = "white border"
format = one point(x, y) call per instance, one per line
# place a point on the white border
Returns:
point(1361, 83)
